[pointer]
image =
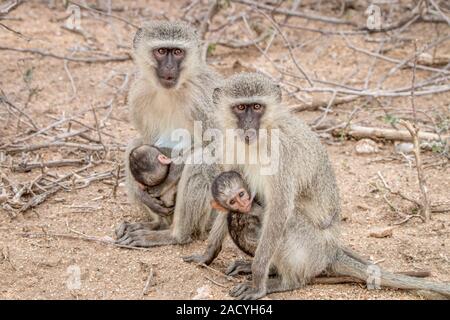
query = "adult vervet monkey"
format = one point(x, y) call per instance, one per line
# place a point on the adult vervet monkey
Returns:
point(174, 89)
point(300, 234)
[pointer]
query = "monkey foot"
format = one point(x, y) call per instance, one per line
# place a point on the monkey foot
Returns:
point(239, 266)
point(245, 291)
point(146, 238)
point(125, 227)
point(197, 258)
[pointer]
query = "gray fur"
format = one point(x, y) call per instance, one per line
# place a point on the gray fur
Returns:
point(162, 30)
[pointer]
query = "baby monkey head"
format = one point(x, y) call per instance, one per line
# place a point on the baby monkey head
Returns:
point(248, 101)
point(148, 165)
point(230, 193)
point(165, 52)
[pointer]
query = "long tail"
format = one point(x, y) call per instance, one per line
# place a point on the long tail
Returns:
point(348, 264)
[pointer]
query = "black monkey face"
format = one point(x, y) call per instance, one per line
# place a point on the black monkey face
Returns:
point(168, 67)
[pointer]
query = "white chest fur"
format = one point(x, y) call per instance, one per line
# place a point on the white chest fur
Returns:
point(256, 181)
point(160, 113)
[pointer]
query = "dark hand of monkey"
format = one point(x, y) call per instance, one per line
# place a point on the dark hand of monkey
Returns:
point(198, 259)
point(155, 205)
point(246, 291)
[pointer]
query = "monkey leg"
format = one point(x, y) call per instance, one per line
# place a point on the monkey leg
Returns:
point(192, 206)
point(215, 240)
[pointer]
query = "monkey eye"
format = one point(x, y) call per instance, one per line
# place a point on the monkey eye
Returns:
point(232, 201)
point(162, 51)
point(257, 106)
point(240, 107)
point(241, 194)
point(178, 52)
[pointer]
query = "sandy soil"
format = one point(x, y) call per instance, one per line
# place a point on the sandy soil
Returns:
point(45, 268)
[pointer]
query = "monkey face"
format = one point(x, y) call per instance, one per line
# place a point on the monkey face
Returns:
point(230, 193)
point(240, 201)
point(168, 65)
point(249, 120)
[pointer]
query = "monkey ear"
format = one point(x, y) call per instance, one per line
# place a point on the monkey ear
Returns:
point(216, 95)
point(164, 160)
point(215, 205)
point(137, 37)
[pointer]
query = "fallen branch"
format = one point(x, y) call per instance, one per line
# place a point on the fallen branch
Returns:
point(74, 59)
point(85, 147)
point(25, 167)
point(9, 6)
point(79, 237)
point(360, 132)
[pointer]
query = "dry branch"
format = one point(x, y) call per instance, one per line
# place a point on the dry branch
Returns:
point(243, 44)
point(79, 237)
point(360, 132)
point(104, 14)
point(8, 6)
point(322, 103)
point(85, 147)
point(213, 9)
point(308, 16)
point(74, 59)
point(25, 167)
point(425, 203)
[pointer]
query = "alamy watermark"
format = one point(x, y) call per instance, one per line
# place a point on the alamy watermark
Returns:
point(228, 147)
point(373, 277)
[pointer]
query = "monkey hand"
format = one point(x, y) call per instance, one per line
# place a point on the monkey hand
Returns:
point(246, 291)
point(198, 258)
point(156, 205)
point(239, 266)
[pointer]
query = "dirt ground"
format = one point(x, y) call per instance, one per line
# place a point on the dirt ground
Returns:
point(36, 267)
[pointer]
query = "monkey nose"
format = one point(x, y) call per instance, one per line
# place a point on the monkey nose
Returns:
point(244, 204)
point(250, 135)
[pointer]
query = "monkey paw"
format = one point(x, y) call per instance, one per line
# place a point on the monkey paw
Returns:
point(239, 266)
point(136, 238)
point(126, 227)
point(246, 291)
point(197, 258)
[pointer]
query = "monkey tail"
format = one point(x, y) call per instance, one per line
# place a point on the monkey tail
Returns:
point(349, 264)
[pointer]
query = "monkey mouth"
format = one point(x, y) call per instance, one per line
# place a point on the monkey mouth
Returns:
point(247, 208)
point(168, 82)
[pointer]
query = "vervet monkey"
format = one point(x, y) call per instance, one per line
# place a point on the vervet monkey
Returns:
point(173, 89)
point(157, 174)
point(299, 199)
point(231, 195)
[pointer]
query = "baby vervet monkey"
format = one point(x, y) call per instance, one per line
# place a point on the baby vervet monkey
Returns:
point(157, 175)
point(230, 195)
